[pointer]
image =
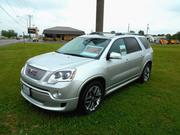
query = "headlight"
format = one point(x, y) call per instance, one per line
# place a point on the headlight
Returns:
point(62, 76)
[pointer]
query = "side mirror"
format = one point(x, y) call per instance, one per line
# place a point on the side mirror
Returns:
point(114, 55)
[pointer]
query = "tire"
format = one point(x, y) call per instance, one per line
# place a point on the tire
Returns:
point(145, 76)
point(90, 97)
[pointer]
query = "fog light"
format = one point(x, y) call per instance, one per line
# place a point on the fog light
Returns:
point(56, 94)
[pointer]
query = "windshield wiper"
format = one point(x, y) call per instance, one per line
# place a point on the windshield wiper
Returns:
point(58, 51)
point(63, 53)
point(72, 54)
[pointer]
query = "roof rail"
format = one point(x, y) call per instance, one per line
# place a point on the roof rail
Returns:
point(110, 34)
point(101, 33)
point(104, 33)
point(117, 34)
point(131, 34)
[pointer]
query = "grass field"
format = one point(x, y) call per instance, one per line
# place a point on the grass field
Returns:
point(152, 108)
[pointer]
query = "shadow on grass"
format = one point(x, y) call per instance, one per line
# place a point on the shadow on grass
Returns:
point(52, 114)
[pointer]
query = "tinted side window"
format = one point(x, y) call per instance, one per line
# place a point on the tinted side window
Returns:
point(132, 45)
point(118, 47)
point(145, 42)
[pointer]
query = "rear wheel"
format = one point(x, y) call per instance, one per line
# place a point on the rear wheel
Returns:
point(146, 73)
point(90, 98)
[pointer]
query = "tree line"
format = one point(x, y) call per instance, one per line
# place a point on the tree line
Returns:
point(175, 36)
point(8, 33)
point(168, 36)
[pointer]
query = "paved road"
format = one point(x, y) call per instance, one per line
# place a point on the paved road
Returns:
point(8, 41)
point(12, 41)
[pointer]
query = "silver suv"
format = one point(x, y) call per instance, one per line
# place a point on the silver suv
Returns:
point(83, 71)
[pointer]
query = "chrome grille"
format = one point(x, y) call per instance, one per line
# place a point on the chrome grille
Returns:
point(34, 72)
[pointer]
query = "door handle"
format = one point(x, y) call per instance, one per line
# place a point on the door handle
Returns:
point(127, 60)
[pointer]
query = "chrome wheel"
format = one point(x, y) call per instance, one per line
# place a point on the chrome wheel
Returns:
point(93, 98)
point(146, 73)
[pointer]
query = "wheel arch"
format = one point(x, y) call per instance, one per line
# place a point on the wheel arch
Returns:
point(147, 62)
point(80, 106)
point(150, 63)
point(101, 79)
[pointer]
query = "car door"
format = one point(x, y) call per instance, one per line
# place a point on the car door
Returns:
point(134, 57)
point(117, 68)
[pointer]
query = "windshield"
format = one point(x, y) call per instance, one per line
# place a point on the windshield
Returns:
point(85, 47)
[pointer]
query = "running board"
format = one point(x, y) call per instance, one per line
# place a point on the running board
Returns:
point(121, 85)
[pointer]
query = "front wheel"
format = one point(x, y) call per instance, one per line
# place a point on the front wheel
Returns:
point(90, 98)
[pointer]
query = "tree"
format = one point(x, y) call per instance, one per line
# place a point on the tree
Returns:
point(141, 32)
point(161, 34)
point(132, 32)
point(176, 36)
point(9, 33)
point(168, 36)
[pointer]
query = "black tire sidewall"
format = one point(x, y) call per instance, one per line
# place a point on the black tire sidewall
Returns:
point(142, 75)
point(81, 107)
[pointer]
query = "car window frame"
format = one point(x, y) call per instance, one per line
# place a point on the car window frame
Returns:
point(140, 48)
point(109, 51)
point(142, 39)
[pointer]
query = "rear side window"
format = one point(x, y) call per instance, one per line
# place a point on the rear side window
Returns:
point(132, 45)
point(145, 42)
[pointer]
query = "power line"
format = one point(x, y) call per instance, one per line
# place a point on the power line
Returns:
point(23, 3)
point(18, 4)
point(16, 24)
point(10, 6)
point(33, 8)
point(11, 16)
point(30, 6)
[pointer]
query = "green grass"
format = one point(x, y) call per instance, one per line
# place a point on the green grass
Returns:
point(152, 108)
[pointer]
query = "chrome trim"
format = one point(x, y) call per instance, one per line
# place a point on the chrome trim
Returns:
point(39, 104)
point(34, 72)
point(121, 85)
point(42, 91)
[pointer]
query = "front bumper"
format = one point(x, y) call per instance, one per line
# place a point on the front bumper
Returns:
point(44, 99)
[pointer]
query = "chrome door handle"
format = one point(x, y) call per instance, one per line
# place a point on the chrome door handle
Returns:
point(127, 60)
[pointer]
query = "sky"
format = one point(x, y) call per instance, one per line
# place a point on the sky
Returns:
point(163, 16)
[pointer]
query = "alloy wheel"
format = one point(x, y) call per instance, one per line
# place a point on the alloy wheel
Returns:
point(93, 98)
point(146, 74)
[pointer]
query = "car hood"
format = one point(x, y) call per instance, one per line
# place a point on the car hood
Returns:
point(55, 61)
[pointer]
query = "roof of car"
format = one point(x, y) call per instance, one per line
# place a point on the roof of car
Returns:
point(110, 35)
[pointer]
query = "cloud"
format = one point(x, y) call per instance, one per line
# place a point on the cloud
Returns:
point(138, 14)
point(163, 16)
point(80, 14)
point(37, 4)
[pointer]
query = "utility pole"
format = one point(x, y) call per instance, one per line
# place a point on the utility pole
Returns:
point(30, 17)
point(99, 15)
point(147, 30)
point(128, 28)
